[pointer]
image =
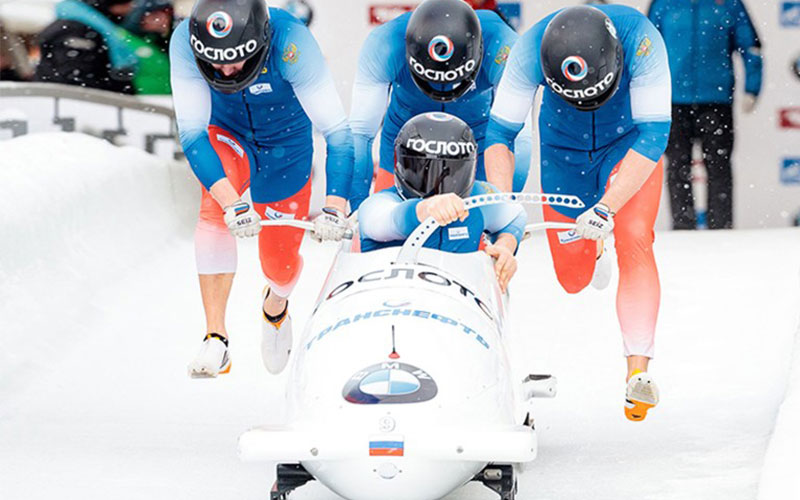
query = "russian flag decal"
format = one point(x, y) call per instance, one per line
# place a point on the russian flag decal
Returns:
point(386, 446)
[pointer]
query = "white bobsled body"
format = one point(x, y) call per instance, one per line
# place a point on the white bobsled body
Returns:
point(400, 387)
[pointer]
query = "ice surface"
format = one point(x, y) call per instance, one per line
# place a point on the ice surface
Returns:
point(98, 404)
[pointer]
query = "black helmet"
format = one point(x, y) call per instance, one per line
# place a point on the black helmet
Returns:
point(229, 32)
point(434, 153)
point(582, 57)
point(444, 47)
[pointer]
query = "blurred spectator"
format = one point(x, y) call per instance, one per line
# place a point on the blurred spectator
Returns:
point(116, 45)
point(14, 63)
point(152, 21)
point(701, 37)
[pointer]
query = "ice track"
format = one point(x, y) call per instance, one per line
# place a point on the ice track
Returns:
point(95, 402)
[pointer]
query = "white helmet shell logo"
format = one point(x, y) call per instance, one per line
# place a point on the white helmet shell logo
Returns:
point(611, 28)
point(219, 24)
point(580, 94)
point(452, 75)
point(223, 56)
point(441, 148)
point(441, 48)
point(574, 68)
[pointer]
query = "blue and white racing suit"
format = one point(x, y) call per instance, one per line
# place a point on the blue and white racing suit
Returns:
point(580, 149)
point(382, 67)
point(273, 117)
point(261, 138)
point(386, 220)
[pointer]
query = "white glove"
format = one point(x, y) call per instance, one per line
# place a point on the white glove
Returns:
point(330, 225)
point(596, 223)
point(241, 219)
point(749, 103)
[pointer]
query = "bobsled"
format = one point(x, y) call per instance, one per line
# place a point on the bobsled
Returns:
point(401, 386)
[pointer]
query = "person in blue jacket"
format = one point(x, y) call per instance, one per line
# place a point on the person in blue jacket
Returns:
point(248, 84)
point(604, 124)
point(702, 36)
point(436, 159)
point(443, 56)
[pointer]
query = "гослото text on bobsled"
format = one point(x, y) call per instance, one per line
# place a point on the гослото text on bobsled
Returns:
point(401, 386)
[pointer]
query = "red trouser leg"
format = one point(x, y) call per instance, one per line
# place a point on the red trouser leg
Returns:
point(215, 246)
point(639, 291)
point(573, 259)
point(279, 247)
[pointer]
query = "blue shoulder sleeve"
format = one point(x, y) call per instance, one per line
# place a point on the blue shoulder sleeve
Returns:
point(379, 63)
point(385, 216)
point(192, 102)
point(498, 39)
point(650, 87)
point(304, 67)
point(517, 88)
point(382, 56)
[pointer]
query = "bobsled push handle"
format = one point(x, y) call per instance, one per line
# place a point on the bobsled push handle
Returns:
point(408, 254)
point(305, 225)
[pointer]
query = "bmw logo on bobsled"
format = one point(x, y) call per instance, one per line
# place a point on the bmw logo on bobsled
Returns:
point(401, 387)
point(390, 383)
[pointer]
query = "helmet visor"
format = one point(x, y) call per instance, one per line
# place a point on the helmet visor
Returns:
point(423, 177)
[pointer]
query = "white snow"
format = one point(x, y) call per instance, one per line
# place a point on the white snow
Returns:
point(780, 479)
point(101, 313)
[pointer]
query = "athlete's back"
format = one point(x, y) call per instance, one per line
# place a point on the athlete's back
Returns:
point(640, 98)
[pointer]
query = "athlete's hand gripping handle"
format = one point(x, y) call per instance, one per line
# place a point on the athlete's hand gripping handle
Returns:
point(597, 223)
point(444, 208)
point(241, 219)
point(330, 225)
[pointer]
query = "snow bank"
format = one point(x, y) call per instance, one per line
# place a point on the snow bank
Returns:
point(780, 479)
point(76, 213)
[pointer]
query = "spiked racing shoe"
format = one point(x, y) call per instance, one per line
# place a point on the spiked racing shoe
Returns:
point(640, 396)
point(276, 339)
point(213, 359)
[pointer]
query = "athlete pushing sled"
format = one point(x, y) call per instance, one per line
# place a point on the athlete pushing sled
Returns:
point(604, 124)
point(248, 84)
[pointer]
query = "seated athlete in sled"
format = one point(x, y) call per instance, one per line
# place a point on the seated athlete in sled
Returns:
point(435, 156)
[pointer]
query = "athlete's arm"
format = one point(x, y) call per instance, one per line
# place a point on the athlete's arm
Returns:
point(506, 225)
point(498, 49)
point(512, 104)
point(651, 110)
point(523, 151)
point(192, 102)
point(311, 79)
point(370, 100)
point(385, 216)
point(505, 264)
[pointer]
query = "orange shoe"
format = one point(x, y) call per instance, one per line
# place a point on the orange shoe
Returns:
point(640, 396)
